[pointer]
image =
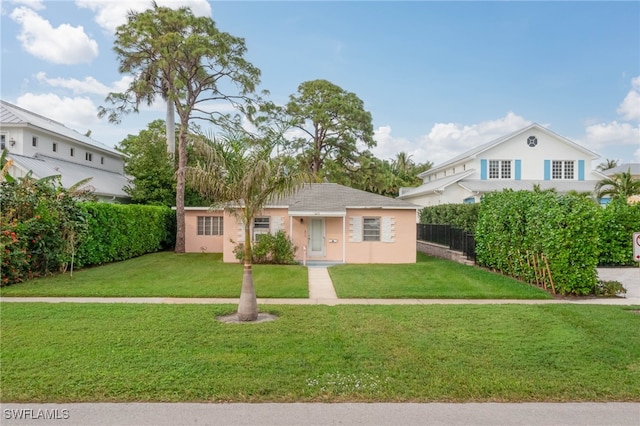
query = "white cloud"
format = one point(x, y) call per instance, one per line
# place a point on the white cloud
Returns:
point(62, 45)
point(604, 136)
point(88, 85)
point(32, 4)
point(446, 140)
point(79, 113)
point(629, 109)
point(111, 14)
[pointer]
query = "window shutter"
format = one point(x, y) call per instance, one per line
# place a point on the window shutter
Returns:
point(388, 231)
point(483, 169)
point(240, 231)
point(277, 224)
point(580, 169)
point(547, 169)
point(518, 169)
point(355, 229)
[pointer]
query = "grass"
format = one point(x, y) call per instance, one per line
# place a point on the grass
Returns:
point(121, 352)
point(167, 274)
point(429, 278)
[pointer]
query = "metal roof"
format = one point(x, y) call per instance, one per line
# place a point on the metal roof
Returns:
point(106, 183)
point(13, 115)
point(624, 168)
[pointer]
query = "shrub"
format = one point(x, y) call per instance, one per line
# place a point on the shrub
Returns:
point(119, 232)
point(609, 289)
point(540, 237)
point(619, 221)
point(463, 216)
point(276, 249)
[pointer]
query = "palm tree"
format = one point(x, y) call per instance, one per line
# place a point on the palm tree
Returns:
point(607, 164)
point(620, 185)
point(241, 173)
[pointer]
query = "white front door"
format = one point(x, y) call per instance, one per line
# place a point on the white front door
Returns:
point(316, 237)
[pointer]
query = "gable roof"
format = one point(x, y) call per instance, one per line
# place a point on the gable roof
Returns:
point(472, 153)
point(13, 115)
point(105, 182)
point(437, 185)
point(318, 198)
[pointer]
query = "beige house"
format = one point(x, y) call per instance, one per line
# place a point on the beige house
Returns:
point(327, 222)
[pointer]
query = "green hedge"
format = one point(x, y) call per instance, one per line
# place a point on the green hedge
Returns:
point(619, 221)
point(464, 216)
point(119, 232)
point(541, 237)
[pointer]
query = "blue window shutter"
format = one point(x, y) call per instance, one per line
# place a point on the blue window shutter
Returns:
point(483, 169)
point(518, 169)
point(547, 169)
point(580, 169)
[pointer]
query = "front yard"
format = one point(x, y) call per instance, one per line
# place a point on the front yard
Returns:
point(121, 352)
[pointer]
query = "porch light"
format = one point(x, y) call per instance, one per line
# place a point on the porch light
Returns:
point(12, 141)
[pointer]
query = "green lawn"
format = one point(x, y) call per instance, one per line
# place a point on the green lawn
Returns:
point(167, 274)
point(121, 352)
point(429, 278)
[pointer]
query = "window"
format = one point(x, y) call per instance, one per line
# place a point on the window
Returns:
point(71, 152)
point(34, 141)
point(88, 156)
point(371, 229)
point(101, 160)
point(499, 169)
point(532, 141)
point(562, 169)
point(210, 225)
point(3, 141)
point(260, 227)
point(55, 147)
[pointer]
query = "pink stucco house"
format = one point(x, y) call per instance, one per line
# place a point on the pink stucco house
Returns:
point(327, 222)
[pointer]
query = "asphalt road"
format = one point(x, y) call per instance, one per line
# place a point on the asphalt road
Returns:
point(161, 414)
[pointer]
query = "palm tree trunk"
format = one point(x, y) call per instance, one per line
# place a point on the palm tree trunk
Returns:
point(180, 187)
point(248, 306)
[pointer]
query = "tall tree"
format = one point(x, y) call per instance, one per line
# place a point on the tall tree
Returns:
point(334, 122)
point(189, 62)
point(150, 166)
point(243, 174)
point(620, 185)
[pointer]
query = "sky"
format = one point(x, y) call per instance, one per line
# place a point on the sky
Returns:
point(439, 78)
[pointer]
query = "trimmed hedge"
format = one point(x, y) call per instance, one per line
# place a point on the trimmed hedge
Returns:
point(619, 221)
point(464, 216)
point(119, 232)
point(541, 237)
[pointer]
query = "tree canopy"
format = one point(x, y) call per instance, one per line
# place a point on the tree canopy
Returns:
point(187, 61)
point(333, 123)
point(620, 185)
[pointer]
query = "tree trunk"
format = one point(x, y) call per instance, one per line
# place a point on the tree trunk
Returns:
point(248, 306)
point(171, 129)
point(180, 186)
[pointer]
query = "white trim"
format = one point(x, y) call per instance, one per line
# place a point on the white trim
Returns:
point(319, 214)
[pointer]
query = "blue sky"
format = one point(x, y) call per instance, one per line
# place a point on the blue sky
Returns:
point(438, 77)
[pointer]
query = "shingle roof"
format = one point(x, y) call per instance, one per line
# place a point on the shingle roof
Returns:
point(436, 185)
point(11, 114)
point(331, 197)
point(105, 182)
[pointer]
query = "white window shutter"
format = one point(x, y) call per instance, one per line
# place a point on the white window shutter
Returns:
point(355, 229)
point(388, 229)
point(277, 224)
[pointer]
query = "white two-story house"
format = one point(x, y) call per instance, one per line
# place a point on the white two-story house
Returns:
point(46, 148)
point(533, 156)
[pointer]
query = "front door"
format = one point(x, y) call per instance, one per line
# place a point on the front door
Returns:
point(316, 237)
